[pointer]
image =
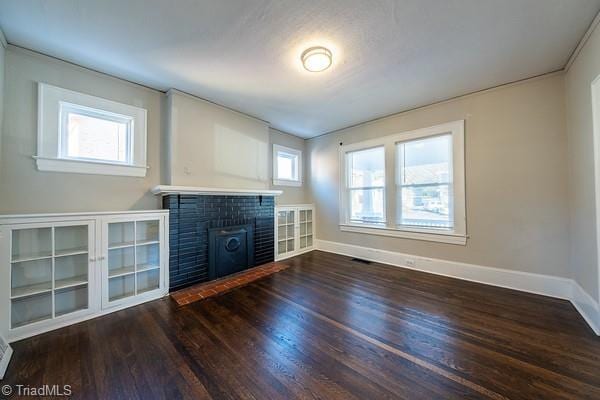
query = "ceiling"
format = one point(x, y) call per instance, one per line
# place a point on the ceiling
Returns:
point(389, 55)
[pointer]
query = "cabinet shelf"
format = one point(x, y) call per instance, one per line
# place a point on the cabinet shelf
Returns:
point(71, 252)
point(122, 245)
point(31, 258)
point(72, 282)
point(147, 267)
point(31, 290)
point(146, 242)
point(117, 272)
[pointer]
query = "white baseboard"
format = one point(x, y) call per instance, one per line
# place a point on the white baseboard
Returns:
point(5, 360)
point(586, 305)
point(553, 286)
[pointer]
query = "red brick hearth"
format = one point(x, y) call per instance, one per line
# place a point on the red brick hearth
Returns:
point(222, 285)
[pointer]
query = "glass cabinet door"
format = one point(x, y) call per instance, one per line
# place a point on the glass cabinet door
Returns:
point(49, 272)
point(306, 229)
point(286, 240)
point(133, 263)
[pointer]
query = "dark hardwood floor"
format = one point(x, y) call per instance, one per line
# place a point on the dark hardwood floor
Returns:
point(328, 328)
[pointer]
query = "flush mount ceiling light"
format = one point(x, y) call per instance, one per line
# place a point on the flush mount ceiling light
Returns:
point(316, 59)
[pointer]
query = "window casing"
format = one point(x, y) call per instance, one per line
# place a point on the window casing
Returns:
point(287, 166)
point(421, 183)
point(85, 134)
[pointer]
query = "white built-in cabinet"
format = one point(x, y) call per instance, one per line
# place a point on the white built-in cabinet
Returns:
point(59, 269)
point(294, 230)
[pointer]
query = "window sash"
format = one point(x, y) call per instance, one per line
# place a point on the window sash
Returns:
point(400, 217)
point(294, 160)
point(66, 109)
point(350, 189)
point(401, 186)
point(374, 220)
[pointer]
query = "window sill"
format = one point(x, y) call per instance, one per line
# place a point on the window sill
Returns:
point(441, 237)
point(280, 182)
point(88, 167)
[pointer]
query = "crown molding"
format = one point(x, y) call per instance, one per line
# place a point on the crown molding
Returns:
point(582, 42)
point(3, 39)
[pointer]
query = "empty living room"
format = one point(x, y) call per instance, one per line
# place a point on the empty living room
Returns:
point(300, 199)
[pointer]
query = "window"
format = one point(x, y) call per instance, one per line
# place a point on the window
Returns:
point(89, 134)
point(366, 185)
point(425, 182)
point(420, 173)
point(86, 134)
point(287, 166)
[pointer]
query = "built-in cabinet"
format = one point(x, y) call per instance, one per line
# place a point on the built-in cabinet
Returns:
point(294, 230)
point(60, 269)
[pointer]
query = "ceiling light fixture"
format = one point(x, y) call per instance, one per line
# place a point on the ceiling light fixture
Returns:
point(316, 59)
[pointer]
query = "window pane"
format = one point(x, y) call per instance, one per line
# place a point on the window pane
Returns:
point(367, 168)
point(96, 138)
point(426, 206)
point(287, 165)
point(425, 161)
point(367, 205)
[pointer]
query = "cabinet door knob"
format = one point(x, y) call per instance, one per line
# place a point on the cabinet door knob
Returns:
point(92, 259)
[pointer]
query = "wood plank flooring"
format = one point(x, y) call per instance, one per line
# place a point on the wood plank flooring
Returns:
point(327, 328)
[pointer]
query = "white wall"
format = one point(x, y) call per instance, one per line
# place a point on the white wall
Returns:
point(291, 194)
point(582, 211)
point(23, 188)
point(516, 179)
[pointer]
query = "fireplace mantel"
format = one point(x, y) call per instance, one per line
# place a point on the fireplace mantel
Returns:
point(164, 190)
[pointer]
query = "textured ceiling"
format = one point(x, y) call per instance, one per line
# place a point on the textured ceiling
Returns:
point(389, 55)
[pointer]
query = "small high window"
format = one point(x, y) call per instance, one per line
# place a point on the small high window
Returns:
point(287, 166)
point(86, 134)
point(89, 134)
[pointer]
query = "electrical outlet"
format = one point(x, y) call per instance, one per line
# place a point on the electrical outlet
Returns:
point(410, 262)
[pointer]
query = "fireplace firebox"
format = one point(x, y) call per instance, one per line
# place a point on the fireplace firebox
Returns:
point(230, 250)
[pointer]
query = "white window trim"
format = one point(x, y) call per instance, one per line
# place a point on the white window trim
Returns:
point(50, 158)
point(286, 182)
point(457, 235)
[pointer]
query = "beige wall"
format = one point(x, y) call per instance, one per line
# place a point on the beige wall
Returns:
point(212, 146)
point(23, 189)
point(582, 212)
point(515, 178)
point(291, 194)
point(2, 62)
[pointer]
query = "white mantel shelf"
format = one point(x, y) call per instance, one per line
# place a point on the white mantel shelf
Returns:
point(164, 190)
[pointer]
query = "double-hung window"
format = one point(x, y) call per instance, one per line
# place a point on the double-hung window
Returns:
point(424, 189)
point(87, 134)
point(366, 186)
point(408, 185)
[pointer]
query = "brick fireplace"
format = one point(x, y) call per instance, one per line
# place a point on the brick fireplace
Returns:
point(194, 216)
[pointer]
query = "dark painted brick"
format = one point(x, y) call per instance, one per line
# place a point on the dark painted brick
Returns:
point(190, 218)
